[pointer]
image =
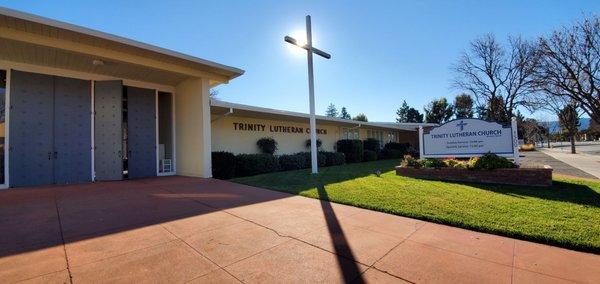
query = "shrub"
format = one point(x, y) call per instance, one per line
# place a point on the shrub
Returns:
point(253, 164)
point(433, 163)
point(267, 145)
point(319, 143)
point(321, 159)
point(490, 161)
point(394, 150)
point(293, 162)
point(527, 147)
point(352, 149)
point(410, 162)
point(372, 144)
point(223, 165)
point(387, 153)
point(334, 158)
point(369, 155)
point(452, 163)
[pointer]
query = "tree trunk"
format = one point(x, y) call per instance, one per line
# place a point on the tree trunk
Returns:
point(572, 138)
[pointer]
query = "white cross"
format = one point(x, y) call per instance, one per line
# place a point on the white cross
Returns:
point(311, 89)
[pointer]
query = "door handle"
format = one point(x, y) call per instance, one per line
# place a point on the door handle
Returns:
point(55, 155)
point(120, 153)
point(49, 155)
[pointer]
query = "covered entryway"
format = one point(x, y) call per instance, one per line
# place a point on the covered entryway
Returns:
point(83, 105)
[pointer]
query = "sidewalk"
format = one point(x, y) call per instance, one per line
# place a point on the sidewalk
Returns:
point(585, 162)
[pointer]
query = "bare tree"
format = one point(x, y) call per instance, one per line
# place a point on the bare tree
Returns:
point(569, 65)
point(491, 74)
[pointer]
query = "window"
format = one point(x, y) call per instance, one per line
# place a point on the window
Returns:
point(377, 135)
point(350, 133)
point(3, 84)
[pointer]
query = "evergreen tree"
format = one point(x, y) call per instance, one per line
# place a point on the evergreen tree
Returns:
point(438, 111)
point(331, 111)
point(361, 117)
point(463, 106)
point(344, 114)
point(408, 114)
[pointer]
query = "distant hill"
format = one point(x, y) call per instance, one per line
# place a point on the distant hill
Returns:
point(584, 123)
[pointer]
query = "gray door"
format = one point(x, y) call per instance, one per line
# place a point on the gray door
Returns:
point(141, 132)
point(31, 129)
point(72, 131)
point(108, 155)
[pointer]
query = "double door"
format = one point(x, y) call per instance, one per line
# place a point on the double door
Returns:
point(50, 130)
point(124, 131)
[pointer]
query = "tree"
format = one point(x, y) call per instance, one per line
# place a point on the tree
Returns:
point(213, 93)
point(408, 114)
point(438, 111)
point(568, 117)
point(569, 65)
point(463, 106)
point(493, 111)
point(331, 111)
point(532, 131)
point(361, 117)
point(344, 114)
point(498, 79)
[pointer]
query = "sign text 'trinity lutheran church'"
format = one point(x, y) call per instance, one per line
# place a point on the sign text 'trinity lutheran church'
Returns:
point(257, 127)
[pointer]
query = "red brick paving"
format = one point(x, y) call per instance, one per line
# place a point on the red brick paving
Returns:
point(178, 229)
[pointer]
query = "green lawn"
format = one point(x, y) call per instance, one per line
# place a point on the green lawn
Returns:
point(567, 214)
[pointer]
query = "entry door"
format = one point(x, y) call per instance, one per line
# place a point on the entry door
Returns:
point(31, 129)
point(72, 131)
point(141, 132)
point(108, 153)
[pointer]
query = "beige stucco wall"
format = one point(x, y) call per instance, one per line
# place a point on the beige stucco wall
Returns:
point(192, 124)
point(225, 137)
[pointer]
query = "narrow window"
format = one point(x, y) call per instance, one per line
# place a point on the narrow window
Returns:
point(165, 133)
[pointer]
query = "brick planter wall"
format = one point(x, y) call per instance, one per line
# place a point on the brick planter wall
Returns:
point(521, 176)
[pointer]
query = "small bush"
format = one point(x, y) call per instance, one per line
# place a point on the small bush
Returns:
point(527, 147)
point(369, 155)
point(396, 146)
point(319, 143)
point(432, 163)
point(267, 145)
point(334, 158)
point(253, 164)
point(352, 149)
point(490, 161)
point(372, 144)
point(452, 163)
point(223, 165)
point(410, 162)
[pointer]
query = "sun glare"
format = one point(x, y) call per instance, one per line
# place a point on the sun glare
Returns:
point(300, 36)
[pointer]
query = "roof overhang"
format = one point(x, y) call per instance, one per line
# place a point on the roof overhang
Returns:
point(219, 107)
point(31, 39)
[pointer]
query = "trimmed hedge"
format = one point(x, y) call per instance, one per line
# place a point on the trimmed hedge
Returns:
point(223, 165)
point(352, 149)
point(334, 158)
point(394, 150)
point(254, 164)
point(372, 144)
point(369, 155)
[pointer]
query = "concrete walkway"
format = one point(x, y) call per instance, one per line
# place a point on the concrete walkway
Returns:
point(538, 159)
point(175, 230)
point(585, 162)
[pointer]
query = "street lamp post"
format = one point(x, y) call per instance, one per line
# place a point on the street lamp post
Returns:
point(311, 89)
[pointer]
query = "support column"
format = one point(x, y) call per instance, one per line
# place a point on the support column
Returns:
point(192, 122)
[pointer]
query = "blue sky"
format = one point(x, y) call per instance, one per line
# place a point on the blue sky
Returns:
point(383, 51)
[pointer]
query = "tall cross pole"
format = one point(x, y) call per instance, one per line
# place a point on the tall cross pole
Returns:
point(311, 89)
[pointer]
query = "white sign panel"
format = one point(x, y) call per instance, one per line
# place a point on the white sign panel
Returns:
point(469, 138)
